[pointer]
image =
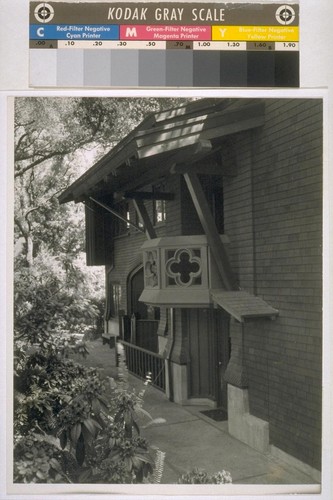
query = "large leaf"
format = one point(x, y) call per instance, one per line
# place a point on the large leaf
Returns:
point(96, 424)
point(128, 417)
point(55, 465)
point(103, 401)
point(128, 463)
point(140, 411)
point(100, 421)
point(88, 423)
point(147, 469)
point(136, 427)
point(139, 475)
point(63, 439)
point(86, 434)
point(155, 421)
point(80, 450)
point(114, 454)
point(85, 475)
point(92, 426)
point(75, 432)
point(41, 475)
point(128, 430)
point(96, 406)
point(118, 416)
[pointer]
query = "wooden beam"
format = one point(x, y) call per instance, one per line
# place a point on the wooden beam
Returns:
point(193, 108)
point(207, 221)
point(144, 195)
point(116, 214)
point(144, 219)
point(207, 126)
point(157, 170)
point(167, 146)
point(209, 167)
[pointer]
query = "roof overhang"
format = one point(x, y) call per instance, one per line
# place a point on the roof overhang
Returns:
point(243, 305)
point(150, 152)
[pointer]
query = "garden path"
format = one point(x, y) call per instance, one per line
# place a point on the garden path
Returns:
point(191, 439)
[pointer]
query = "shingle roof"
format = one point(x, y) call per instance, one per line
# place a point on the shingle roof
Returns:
point(163, 139)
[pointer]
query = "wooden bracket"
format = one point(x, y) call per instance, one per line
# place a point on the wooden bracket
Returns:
point(144, 218)
point(207, 221)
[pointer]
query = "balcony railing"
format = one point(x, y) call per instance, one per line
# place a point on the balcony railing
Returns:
point(141, 362)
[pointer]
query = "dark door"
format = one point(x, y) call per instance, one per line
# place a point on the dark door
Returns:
point(208, 338)
point(136, 287)
point(143, 330)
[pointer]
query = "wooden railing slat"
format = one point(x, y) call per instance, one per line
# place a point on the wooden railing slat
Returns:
point(141, 361)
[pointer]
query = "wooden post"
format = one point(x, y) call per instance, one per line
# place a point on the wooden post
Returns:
point(213, 238)
point(133, 329)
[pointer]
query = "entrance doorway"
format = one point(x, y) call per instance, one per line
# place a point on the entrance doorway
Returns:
point(136, 285)
point(143, 329)
point(209, 353)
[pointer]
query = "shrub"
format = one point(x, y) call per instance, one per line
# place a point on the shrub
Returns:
point(197, 476)
point(71, 426)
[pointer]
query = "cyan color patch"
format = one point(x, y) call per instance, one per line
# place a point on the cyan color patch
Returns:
point(43, 67)
point(97, 68)
point(70, 67)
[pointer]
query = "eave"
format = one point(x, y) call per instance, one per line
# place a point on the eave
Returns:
point(242, 305)
point(162, 141)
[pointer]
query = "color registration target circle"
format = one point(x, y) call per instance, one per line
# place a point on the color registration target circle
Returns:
point(44, 12)
point(285, 14)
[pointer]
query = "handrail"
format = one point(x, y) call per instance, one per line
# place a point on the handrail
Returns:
point(140, 362)
point(138, 348)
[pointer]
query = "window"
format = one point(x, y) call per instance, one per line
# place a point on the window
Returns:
point(159, 206)
point(120, 226)
point(116, 298)
point(113, 298)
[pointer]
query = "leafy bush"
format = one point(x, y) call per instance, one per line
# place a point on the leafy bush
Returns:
point(52, 296)
point(38, 460)
point(71, 426)
point(197, 476)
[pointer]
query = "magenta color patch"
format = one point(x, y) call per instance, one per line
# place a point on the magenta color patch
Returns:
point(164, 32)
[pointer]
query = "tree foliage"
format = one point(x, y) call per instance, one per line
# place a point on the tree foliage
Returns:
point(56, 140)
point(65, 429)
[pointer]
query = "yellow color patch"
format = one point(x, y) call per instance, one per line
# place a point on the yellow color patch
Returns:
point(256, 33)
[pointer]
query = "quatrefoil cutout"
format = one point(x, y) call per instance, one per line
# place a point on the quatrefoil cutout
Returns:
point(184, 267)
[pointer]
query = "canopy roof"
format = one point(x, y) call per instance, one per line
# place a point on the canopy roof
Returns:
point(182, 135)
point(242, 305)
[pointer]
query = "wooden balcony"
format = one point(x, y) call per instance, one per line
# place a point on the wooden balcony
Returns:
point(179, 271)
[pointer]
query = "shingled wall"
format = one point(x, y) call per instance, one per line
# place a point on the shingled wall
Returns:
point(273, 218)
point(276, 250)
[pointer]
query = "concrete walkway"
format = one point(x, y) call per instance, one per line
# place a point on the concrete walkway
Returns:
point(190, 439)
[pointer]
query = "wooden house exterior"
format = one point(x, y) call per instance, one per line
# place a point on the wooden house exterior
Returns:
point(208, 220)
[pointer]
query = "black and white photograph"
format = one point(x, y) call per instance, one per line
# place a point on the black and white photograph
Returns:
point(168, 292)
